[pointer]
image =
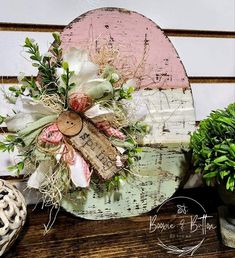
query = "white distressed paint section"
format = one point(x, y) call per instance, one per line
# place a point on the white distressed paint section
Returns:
point(171, 115)
point(177, 14)
point(200, 56)
point(208, 97)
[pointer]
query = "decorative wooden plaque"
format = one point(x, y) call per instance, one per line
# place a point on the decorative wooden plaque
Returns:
point(97, 149)
point(145, 54)
point(93, 145)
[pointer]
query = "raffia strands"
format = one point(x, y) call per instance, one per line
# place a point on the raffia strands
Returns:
point(53, 101)
point(56, 184)
point(108, 54)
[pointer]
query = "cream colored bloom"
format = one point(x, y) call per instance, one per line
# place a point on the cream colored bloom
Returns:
point(85, 75)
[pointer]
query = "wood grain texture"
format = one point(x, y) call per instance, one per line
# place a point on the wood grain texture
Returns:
point(179, 14)
point(74, 237)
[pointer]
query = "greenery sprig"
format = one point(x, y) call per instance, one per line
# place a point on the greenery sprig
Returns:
point(66, 76)
point(10, 142)
point(46, 64)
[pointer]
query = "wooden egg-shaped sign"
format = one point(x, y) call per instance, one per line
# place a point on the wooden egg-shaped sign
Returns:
point(139, 50)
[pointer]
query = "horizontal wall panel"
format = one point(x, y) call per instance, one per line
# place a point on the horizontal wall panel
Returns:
point(13, 54)
point(206, 56)
point(208, 97)
point(200, 56)
point(178, 14)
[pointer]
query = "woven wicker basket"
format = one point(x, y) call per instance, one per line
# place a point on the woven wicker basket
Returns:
point(12, 215)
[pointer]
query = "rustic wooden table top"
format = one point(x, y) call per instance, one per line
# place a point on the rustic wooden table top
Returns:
point(130, 237)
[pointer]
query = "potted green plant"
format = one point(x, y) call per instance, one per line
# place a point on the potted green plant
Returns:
point(213, 156)
point(213, 148)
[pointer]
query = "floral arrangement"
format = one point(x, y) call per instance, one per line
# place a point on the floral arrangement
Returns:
point(72, 125)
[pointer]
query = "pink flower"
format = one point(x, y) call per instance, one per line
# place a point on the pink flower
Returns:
point(51, 134)
point(79, 102)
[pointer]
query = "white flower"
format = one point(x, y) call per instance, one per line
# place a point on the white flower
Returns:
point(38, 177)
point(78, 61)
point(85, 75)
point(97, 88)
point(98, 110)
point(115, 77)
point(136, 108)
point(28, 111)
point(48, 54)
point(129, 83)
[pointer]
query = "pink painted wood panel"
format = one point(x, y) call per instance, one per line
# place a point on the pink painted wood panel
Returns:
point(143, 51)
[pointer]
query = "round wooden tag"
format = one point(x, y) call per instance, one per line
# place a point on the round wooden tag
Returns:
point(69, 123)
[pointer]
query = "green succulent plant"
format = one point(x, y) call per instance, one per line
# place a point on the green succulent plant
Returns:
point(213, 148)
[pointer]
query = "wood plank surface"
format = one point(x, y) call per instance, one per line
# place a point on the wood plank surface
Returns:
point(211, 96)
point(200, 56)
point(74, 237)
point(178, 14)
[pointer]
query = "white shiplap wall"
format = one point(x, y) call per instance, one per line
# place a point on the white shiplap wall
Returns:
point(202, 56)
point(217, 15)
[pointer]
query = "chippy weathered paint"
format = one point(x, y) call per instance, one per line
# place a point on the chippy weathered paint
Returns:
point(153, 179)
point(144, 53)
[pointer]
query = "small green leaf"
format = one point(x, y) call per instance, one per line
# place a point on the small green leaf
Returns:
point(2, 119)
point(210, 175)
point(20, 166)
point(10, 138)
point(27, 41)
point(223, 174)
point(130, 90)
point(2, 146)
point(65, 65)
point(220, 159)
